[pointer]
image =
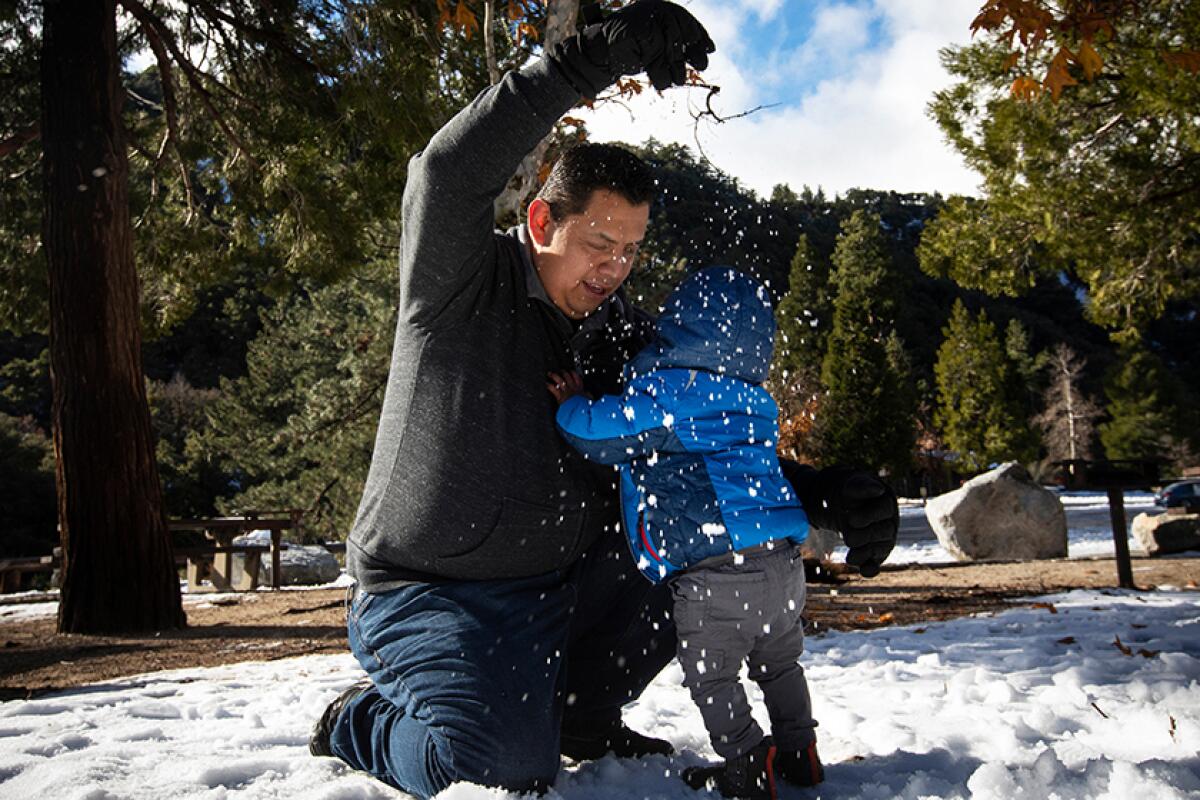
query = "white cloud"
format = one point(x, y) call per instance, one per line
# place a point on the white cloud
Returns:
point(840, 32)
point(839, 28)
point(864, 126)
point(763, 9)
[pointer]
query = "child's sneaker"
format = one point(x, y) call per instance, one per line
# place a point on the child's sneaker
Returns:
point(749, 776)
point(800, 767)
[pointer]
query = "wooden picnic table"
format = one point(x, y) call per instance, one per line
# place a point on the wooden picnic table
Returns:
point(213, 560)
point(11, 570)
point(216, 562)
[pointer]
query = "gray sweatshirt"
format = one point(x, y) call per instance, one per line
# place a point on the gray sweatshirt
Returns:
point(470, 478)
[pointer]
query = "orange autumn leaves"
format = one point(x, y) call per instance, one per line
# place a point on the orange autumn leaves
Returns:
point(1073, 29)
point(458, 15)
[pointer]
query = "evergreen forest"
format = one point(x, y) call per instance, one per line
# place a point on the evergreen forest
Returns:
point(925, 337)
point(270, 402)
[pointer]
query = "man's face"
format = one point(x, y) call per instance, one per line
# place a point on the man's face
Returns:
point(583, 258)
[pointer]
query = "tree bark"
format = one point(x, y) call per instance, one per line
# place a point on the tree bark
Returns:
point(118, 569)
point(489, 41)
point(560, 24)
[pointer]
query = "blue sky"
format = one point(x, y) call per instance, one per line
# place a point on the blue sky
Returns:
point(843, 83)
point(846, 83)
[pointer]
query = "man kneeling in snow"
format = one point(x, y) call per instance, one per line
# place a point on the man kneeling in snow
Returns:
point(497, 614)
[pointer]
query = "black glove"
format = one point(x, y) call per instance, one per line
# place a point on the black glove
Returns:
point(654, 36)
point(853, 502)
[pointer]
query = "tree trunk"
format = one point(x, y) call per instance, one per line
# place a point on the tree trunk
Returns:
point(1068, 397)
point(560, 24)
point(489, 41)
point(118, 569)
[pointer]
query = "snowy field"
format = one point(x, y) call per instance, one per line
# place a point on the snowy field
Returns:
point(1080, 695)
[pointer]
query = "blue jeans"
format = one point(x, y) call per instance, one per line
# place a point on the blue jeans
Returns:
point(473, 681)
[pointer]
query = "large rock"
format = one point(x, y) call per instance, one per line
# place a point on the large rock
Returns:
point(1159, 534)
point(303, 566)
point(820, 543)
point(1000, 515)
point(299, 565)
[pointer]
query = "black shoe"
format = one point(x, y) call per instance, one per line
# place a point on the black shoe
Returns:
point(751, 775)
point(800, 767)
point(318, 740)
point(620, 741)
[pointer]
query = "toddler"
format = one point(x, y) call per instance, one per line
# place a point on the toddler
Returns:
point(706, 507)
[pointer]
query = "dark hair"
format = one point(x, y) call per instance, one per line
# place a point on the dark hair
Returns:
point(586, 167)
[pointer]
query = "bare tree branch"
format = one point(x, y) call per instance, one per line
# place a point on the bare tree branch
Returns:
point(30, 133)
point(1068, 418)
point(312, 509)
point(195, 75)
point(171, 106)
point(151, 22)
point(708, 111)
point(254, 33)
point(146, 101)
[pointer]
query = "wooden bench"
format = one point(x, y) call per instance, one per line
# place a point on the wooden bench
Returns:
point(212, 560)
point(13, 569)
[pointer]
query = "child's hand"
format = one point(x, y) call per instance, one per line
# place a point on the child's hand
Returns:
point(568, 384)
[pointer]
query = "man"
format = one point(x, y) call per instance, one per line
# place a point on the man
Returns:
point(498, 615)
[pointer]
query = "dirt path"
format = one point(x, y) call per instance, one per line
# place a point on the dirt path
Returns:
point(271, 625)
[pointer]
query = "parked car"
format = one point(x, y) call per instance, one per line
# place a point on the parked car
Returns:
point(1185, 494)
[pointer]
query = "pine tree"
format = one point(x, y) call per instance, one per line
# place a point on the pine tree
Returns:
point(1027, 367)
point(802, 324)
point(1139, 409)
point(298, 430)
point(900, 434)
point(118, 571)
point(178, 411)
point(27, 496)
point(1098, 184)
point(977, 412)
point(866, 416)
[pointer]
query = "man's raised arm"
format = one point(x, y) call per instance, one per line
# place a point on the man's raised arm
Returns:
point(452, 184)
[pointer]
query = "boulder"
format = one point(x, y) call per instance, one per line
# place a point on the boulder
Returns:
point(1159, 534)
point(299, 565)
point(1000, 515)
point(303, 566)
point(820, 543)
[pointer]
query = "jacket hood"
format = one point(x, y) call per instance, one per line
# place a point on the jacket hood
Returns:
point(718, 320)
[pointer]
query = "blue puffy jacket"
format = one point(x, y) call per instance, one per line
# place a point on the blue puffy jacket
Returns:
point(695, 432)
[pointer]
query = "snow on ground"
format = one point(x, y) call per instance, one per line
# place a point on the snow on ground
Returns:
point(1080, 695)
point(1094, 538)
point(18, 611)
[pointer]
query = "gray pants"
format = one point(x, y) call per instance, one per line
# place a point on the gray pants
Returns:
point(746, 612)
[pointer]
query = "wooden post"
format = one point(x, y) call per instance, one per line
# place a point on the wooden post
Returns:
point(221, 572)
point(1116, 511)
point(276, 541)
